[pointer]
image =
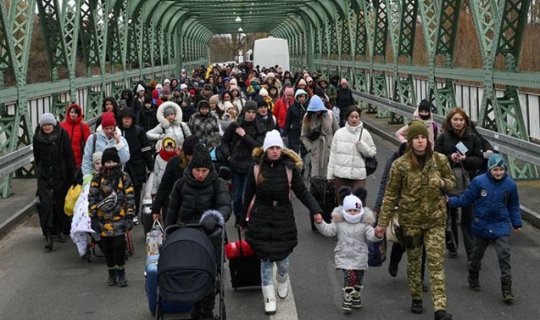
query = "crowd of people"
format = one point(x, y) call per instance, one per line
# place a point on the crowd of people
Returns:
point(266, 127)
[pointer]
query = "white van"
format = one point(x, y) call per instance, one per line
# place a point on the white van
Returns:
point(268, 52)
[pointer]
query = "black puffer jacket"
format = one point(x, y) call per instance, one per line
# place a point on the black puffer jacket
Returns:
point(238, 149)
point(190, 198)
point(173, 171)
point(446, 144)
point(140, 153)
point(271, 230)
point(55, 164)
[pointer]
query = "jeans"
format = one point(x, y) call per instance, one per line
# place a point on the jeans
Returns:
point(239, 185)
point(267, 270)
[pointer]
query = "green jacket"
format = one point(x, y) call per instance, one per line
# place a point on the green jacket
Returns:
point(416, 194)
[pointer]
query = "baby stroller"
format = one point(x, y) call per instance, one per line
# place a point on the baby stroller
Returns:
point(189, 267)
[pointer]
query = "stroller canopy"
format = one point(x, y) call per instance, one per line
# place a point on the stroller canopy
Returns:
point(187, 267)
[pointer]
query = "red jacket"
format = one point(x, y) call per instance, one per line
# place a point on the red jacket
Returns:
point(280, 110)
point(78, 132)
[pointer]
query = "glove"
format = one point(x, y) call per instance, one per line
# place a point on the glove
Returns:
point(209, 223)
point(129, 224)
point(95, 226)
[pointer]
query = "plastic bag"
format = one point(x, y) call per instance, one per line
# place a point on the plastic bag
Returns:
point(71, 198)
point(154, 239)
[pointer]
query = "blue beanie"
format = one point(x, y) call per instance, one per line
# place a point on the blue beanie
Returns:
point(316, 104)
point(496, 160)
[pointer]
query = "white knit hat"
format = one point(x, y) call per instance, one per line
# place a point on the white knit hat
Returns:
point(47, 118)
point(352, 202)
point(183, 86)
point(272, 139)
point(263, 92)
point(140, 88)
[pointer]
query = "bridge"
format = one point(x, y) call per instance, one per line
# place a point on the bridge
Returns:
point(394, 53)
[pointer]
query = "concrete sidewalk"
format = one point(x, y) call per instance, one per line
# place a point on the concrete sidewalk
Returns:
point(529, 190)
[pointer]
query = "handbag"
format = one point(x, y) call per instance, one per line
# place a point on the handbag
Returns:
point(71, 199)
point(369, 162)
point(462, 180)
point(393, 231)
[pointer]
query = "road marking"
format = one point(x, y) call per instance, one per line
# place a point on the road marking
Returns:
point(286, 308)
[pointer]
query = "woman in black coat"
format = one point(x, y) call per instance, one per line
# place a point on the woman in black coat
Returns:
point(200, 196)
point(55, 168)
point(457, 128)
point(268, 211)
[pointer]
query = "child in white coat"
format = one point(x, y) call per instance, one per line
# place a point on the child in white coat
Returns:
point(352, 224)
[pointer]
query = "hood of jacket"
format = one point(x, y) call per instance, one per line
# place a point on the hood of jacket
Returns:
point(291, 158)
point(161, 117)
point(212, 176)
point(79, 117)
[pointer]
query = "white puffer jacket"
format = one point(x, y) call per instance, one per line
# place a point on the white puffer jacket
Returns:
point(178, 129)
point(346, 153)
point(351, 251)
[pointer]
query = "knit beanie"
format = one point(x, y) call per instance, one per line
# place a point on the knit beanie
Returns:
point(47, 118)
point(263, 92)
point(250, 106)
point(110, 154)
point(302, 82)
point(97, 156)
point(203, 104)
point(272, 139)
point(300, 92)
point(227, 105)
point(140, 88)
point(108, 120)
point(183, 86)
point(415, 128)
point(260, 101)
point(214, 99)
point(169, 110)
point(189, 144)
point(425, 106)
point(496, 160)
point(316, 104)
point(352, 202)
point(201, 157)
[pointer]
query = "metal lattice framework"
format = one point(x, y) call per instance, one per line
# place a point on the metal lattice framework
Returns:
point(370, 42)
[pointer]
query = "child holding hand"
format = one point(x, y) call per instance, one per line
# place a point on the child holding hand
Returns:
point(352, 224)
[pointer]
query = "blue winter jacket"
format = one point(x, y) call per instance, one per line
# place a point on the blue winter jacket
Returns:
point(496, 205)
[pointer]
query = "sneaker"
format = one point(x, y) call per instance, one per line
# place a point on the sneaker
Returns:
point(136, 220)
point(416, 306)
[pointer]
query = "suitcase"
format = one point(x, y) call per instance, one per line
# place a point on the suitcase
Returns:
point(151, 287)
point(325, 194)
point(245, 270)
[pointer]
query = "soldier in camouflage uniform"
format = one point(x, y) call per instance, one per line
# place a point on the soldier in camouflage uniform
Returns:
point(415, 189)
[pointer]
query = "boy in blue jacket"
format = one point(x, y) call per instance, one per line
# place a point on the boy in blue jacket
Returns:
point(496, 201)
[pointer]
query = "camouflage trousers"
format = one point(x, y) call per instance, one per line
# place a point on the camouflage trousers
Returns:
point(434, 241)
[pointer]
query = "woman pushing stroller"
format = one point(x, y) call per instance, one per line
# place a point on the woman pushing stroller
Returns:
point(200, 196)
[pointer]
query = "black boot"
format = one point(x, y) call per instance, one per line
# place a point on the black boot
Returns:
point(48, 239)
point(442, 315)
point(416, 306)
point(112, 277)
point(61, 237)
point(121, 277)
point(393, 269)
point(474, 281)
point(506, 286)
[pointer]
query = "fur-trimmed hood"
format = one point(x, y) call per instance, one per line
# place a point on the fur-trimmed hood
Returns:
point(286, 154)
point(368, 218)
point(161, 117)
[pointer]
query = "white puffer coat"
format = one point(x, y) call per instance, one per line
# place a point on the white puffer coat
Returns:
point(351, 251)
point(178, 129)
point(346, 153)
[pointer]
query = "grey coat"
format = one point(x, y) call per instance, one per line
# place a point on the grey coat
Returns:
point(351, 251)
point(319, 148)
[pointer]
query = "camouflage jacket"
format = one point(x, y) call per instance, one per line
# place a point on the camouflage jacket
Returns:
point(416, 194)
point(110, 202)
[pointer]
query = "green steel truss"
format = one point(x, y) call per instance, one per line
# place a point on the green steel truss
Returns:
point(370, 42)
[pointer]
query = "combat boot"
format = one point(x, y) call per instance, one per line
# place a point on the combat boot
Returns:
point(347, 299)
point(121, 277)
point(357, 297)
point(416, 306)
point(506, 286)
point(474, 281)
point(442, 315)
point(112, 277)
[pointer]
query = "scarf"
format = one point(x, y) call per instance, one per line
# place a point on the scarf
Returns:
point(48, 138)
point(353, 218)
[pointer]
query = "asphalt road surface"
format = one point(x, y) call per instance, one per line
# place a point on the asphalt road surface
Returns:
point(60, 285)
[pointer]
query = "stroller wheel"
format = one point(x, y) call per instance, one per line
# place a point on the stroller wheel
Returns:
point(159, 312)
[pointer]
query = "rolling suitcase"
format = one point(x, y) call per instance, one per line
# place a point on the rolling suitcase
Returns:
point(244, 265)
point(325, 194)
